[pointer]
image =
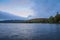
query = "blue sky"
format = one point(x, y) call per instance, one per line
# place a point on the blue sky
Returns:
point(31, 8)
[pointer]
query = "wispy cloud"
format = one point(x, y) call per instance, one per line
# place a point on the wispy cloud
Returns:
point(17, 7)
point(36, 8)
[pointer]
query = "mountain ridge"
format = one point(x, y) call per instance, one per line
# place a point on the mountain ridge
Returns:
point(8, 16)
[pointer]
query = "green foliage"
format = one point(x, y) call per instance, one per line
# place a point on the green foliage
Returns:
point(57, 18)
point(51, 19)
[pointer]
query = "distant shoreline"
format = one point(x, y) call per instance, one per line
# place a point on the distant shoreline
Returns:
point(30, 23)
point(50, 20)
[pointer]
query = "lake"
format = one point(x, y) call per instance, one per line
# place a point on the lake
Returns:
point(32, 31)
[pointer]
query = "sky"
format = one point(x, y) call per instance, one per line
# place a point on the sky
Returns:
point(31, 8)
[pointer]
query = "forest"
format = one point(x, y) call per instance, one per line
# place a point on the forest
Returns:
point(51, 19)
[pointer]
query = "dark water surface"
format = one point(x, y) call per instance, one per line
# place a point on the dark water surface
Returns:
point(11, 31)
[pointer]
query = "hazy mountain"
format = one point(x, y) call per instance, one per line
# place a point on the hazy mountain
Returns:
point(7, 16)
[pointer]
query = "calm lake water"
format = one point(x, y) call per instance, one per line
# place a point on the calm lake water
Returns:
point(18, 31)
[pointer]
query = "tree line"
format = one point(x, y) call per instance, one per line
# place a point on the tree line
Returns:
point(55, 19)
point(51, 19)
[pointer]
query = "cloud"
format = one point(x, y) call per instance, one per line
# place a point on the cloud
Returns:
point(37, 8)
point(46, 8)
point(18, 7)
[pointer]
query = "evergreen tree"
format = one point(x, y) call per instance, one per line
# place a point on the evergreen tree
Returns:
point(51, 19)
point(57, 17)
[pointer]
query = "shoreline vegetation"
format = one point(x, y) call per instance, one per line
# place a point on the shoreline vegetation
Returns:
point(51, 19)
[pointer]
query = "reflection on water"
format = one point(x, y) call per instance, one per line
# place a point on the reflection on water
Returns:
point(29, 31)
